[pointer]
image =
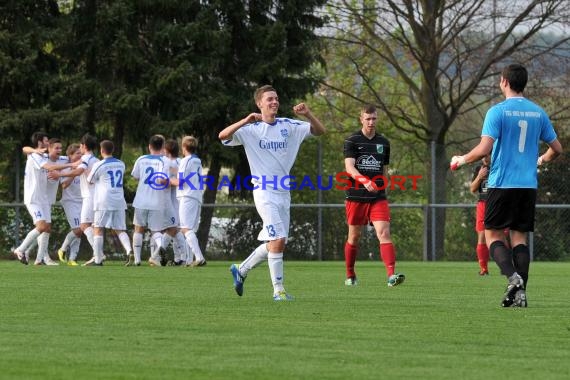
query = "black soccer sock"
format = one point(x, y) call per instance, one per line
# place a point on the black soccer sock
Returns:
point(521, 259)
point(503, 257)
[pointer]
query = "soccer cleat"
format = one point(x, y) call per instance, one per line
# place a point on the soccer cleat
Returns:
point(176, 263)
point(282, 296)
point(515, 285)
point(130, 260)
point(21, 257)
point(50, 262)
point(39, 263)
point(61, 256)
point(72, 263)
point(200, 263)
point(92, 263)
point(238, 279)
point(483, 272)
point(154, 262)
point(91, 260)
point(351, 281)
point(520, 299)
point(396, 279)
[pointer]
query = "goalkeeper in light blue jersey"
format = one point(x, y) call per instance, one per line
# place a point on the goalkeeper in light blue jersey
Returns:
point(512, 130)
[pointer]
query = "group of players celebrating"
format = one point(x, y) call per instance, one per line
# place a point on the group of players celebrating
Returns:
point(92, 197)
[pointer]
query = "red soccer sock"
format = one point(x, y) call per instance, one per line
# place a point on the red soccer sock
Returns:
point(350, 253)
point(483, 257)
point(388, 255)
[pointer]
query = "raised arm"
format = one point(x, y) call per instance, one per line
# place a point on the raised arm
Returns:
point(228, 132)
point(317, 128)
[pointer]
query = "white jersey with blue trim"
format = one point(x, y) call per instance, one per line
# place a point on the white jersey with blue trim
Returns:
point(107, 176)
point(150, 170)
point(172, 173)
point(517, 125)
point(71, 193)
point(271, 150)
point(189, 175)
point(35, 180)
point(53, 184)
point(87, 162)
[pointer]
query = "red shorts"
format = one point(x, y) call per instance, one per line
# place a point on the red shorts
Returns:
point(480, 216)
point(362, 213)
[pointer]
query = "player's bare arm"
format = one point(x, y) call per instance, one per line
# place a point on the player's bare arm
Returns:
point(481, 150)
point(349, 165)
point(72, 173)
point(317, 128)
point(554, 150)
point(229, 131)
point(27, 150)
point(474, 187)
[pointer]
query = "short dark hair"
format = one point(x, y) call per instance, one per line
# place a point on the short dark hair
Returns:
point(156, 142)
point(107, 146)
point(171, 146)
point(54, 140)
point(37, 137)
point(89, 141)
point(517, 77)
point(368, 108)
point(262, 90)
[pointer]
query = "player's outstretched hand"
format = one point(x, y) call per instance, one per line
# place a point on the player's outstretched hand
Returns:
point(456, 162)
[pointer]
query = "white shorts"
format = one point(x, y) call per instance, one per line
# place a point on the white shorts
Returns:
point(174, 211)
point(154, 220)
point(274, 209)
point(87, 210)
point(189, 213)
point(111, 219)
point(39, 212)
point(72, 211)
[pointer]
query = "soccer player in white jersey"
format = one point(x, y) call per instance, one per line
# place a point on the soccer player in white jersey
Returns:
point(271, 144)
point(88, 159)
point(37, 201)
point(179, 246)
point(512, 131)
point(151, 201)
point(71, 201)
point(109, 204)
point(189, 194)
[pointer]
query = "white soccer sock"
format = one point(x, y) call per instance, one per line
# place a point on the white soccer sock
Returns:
point(30, 248)
point(178, 244)
point(165, 241)
point(43, 243)
point(192, 241)
point(69, 238)
point(89, 235)
point(188, 254)
point(137, 246)
point(125, 242)
point(258, 256)
point(157, 238)
point(98, 248)
point(74, 248)
point(28, 240)
point(275, 261)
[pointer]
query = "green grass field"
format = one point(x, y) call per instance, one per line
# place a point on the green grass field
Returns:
point(444, 322)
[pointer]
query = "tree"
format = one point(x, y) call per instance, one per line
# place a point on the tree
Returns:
point(439, 61)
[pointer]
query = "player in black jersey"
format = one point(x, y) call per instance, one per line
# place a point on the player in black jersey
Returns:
point(479, 186)
point(366, 153)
